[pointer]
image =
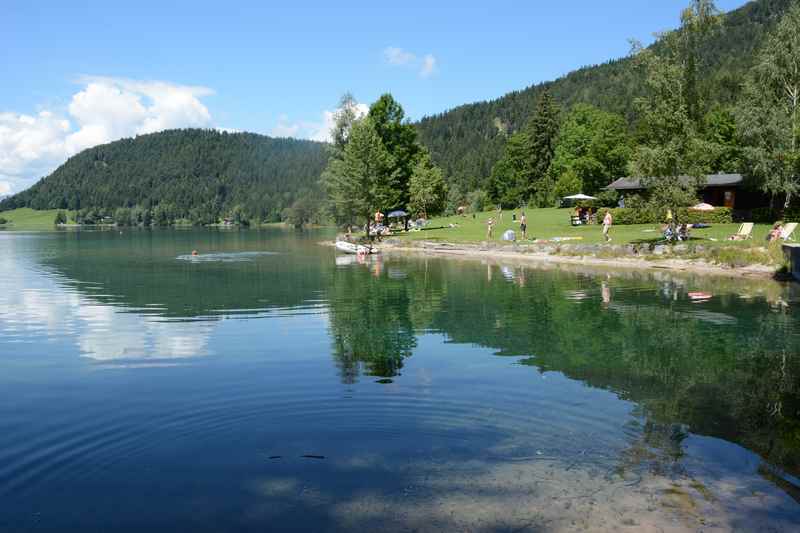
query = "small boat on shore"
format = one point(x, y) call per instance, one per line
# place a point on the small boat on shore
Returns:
point(358, 249)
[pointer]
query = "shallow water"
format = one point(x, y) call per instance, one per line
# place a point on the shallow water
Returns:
point(267, 384)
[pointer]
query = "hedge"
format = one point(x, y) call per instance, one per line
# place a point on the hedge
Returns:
point(628, 215)
point(767, 215)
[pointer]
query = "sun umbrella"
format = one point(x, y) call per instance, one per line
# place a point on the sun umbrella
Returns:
point(580, 197)
point(703, 207)
point(397, 214)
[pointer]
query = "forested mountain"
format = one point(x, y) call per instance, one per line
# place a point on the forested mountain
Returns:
point(467, 140)
point(191, 173)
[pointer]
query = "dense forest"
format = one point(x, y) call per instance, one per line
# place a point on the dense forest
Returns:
point(193, 174)
point(468, 140)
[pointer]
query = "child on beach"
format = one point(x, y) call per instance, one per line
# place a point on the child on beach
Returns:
point(489, 227)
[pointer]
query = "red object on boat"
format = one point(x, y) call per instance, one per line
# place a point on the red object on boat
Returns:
point(700, 295)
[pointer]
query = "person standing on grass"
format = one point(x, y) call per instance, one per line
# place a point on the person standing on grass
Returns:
point(523, 226)
point(499, 213)
point(607, 221)
point(489, 227)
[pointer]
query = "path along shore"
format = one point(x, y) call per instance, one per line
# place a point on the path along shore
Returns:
point(615, 257)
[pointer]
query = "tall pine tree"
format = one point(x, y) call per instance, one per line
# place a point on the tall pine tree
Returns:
point(361, 181)
point(543, 133)
point(521, 175)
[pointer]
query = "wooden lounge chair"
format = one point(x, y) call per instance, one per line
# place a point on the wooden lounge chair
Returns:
point(787, 230)
point(744, 232)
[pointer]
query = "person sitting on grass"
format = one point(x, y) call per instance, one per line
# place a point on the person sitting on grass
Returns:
point(683, 232)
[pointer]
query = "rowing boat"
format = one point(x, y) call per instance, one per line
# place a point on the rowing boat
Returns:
point(350, 248)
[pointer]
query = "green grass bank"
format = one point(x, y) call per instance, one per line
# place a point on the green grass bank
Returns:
point(551, 223)
point(27, 218)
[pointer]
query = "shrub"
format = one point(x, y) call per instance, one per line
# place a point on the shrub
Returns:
point(627, 215)
point(624, 216)
point(608, 198)
point(720, 215)
point(3, 221)
point(767, 215)
point(478, 201)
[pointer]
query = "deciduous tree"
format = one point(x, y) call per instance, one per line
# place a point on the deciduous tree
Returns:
point(769, 116)
point(427, 188)
point(593, 147)
point(399, 138)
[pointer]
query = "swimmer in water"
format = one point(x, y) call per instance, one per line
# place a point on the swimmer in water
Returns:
point(194, 252)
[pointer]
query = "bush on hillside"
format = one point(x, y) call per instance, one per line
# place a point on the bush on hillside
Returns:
point(3, 221)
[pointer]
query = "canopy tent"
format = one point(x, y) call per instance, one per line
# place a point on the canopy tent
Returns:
point(397, 214)
point(580, 196)
point(702, 207)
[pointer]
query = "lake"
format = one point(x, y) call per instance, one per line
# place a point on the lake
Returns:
point(269, 384)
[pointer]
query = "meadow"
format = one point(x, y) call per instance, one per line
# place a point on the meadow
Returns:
point(553, 223)
point(27, 218)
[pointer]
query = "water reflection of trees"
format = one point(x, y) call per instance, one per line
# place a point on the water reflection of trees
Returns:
point(370, 324)
point(728, 367)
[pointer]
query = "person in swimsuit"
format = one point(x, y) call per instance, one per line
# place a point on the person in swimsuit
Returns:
point(607, 221)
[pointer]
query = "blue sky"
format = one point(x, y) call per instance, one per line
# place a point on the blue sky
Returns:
point(77, 73)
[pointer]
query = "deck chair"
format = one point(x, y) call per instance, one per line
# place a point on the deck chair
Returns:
point(787, 230)
point(744, 232)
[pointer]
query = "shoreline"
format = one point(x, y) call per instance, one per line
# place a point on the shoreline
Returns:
point(485, 251)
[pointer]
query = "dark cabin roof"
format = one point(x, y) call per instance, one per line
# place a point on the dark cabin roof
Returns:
point(712, 180)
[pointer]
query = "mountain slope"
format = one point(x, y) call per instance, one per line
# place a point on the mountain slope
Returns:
point(186, 169)
point(467, 140)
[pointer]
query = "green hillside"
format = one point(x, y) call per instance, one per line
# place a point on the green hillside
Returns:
point(466, 141)
point(195, 174)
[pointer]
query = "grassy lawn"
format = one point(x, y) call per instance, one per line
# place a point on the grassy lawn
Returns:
point(27, 218)
point(549, 223)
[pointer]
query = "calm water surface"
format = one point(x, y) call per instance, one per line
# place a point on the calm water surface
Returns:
point(269, 385)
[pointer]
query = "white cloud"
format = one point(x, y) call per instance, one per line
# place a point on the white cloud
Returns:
point(399, 57)
point(284, 128)
point(105, 109)
point(428, 66)
point(5, 188)
point(313, 130)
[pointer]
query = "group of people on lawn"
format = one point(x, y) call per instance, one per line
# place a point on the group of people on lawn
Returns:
point(671, 230)
point(608, 220)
